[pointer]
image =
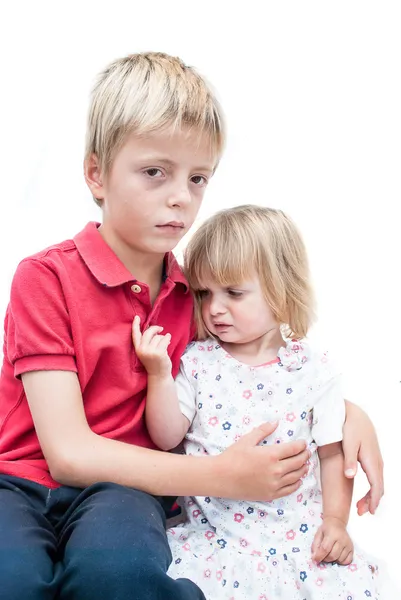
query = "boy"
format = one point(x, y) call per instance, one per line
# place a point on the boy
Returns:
point(81, 485)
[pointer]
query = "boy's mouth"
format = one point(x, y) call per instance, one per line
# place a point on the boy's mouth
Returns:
point(173, 226)
point(179, 224)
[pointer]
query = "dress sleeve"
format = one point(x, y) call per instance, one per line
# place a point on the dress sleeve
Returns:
point(185, 391)
point(329, 407)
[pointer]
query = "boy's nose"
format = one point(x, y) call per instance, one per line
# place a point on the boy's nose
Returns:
point(180, 197)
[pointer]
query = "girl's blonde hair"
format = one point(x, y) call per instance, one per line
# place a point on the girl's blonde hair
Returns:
point(144, 93)
point(235, 244)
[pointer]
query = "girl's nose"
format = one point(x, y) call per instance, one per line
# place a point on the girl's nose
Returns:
point(216, 307)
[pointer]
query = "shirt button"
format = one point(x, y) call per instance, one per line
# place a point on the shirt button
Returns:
point(136, 288)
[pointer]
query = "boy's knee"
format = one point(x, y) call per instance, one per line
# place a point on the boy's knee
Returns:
point(116, 573)
point(22, 576)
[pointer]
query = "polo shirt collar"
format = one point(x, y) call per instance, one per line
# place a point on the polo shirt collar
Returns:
point(105, 265)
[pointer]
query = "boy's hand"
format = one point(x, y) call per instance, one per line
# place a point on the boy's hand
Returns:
point(151, 349)
point(332, 543)
point(360, 444)
point(249, 471)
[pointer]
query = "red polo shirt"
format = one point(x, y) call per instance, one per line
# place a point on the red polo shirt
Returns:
point(71, 309)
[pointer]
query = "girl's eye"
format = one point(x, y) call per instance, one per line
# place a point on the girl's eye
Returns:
point(202, 293)
point(153, 173)
point(235, 293)
point(199, 180)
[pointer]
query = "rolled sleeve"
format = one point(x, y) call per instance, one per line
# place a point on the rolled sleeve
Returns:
point(44, 362)
point(38, 330)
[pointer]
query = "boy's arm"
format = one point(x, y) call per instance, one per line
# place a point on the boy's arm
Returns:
point(79, 457)
point(332, 542)
point(166, 424)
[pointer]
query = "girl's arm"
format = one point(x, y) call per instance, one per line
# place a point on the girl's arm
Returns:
point(336, 488)
point(166, 424)
point(358, 436)
point(332, 542)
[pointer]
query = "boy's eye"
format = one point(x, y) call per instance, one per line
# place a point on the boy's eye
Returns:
point(153, 172)
point(199, 180)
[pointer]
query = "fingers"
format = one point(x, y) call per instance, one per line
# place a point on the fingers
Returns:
point(323, 550)
point(331, 546)
point(294, 476)
point(286, 490)
point(164, 342)
point(375, 496)
point(371, 500)
point(150, 334)
point(317, 540)
point(288, 465)
point(375, 478)
point(346, 556)
point(335, 552)
point(291, 449)
point(342, 552)
point(268, 428)
point(360, 443)
point(351, 450)
point(150, 337)
point(363, 504)
point(136, 332)
point(254, 437)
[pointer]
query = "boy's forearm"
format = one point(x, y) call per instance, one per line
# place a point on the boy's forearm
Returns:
point(166, 424)
point(95, 459)
point(336, 488)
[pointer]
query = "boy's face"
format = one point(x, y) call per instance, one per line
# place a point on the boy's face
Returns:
point(153, 192)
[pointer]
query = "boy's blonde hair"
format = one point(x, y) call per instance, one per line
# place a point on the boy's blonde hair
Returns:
point(144, 93)
point(235, 244)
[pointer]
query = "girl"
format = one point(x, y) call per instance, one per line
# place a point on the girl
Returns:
point(248, 270)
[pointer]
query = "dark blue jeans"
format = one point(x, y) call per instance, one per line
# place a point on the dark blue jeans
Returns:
point(106, 542)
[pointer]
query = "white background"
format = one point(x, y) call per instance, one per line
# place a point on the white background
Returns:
point(312, 95)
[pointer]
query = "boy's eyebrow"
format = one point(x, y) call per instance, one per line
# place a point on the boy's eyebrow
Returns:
point(171, 163)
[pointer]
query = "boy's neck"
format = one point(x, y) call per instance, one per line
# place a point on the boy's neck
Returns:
point(151, 274)
point(146, 268)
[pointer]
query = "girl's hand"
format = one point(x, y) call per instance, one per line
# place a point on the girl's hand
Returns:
point(151, 348)
point(360, 444)
point(332, 543)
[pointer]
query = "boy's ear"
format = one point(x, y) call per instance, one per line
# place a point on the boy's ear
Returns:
point(93, 176)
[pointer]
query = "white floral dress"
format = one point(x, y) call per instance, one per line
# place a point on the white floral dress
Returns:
point(238, 550)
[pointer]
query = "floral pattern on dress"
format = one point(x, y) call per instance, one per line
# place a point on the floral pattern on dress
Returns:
point(240, 550)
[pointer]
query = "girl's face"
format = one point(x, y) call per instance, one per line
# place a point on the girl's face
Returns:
point(237, 314)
